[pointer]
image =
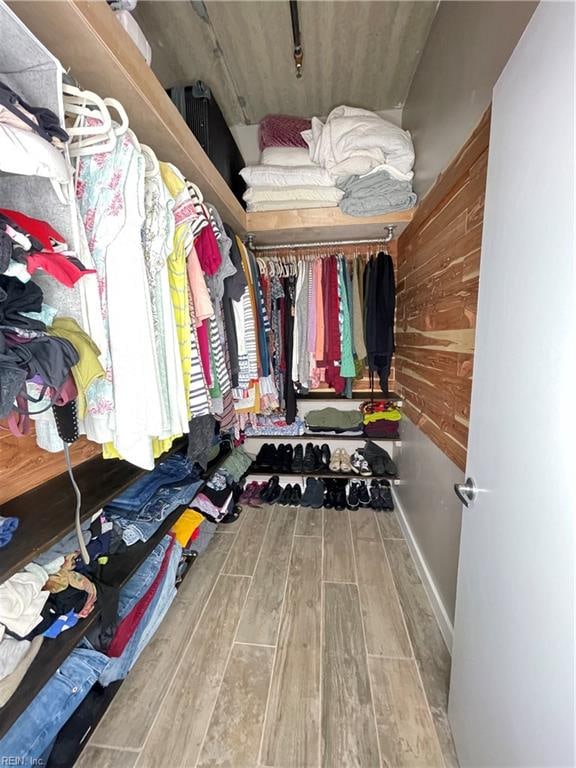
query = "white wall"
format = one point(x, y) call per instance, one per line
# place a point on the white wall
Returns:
point(431, 508)
point(246, 136)
point(468, 46)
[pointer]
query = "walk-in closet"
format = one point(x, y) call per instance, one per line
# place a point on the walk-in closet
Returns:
point(287, 333)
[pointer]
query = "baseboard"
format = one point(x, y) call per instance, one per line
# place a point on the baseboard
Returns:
point(440, 614)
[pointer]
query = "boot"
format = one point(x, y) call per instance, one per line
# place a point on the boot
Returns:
point(287, 459)
point(363, 495)
point(353, 501)
point(279, 458)
point(296, 496)
point(308, 495)
point(286, 496)
point(298, 460)
point(270, 490)
point(309, 459)
point(318, 494)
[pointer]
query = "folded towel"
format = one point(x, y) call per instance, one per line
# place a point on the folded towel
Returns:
point(283, 194)
point(286, 176)
point(376, 193)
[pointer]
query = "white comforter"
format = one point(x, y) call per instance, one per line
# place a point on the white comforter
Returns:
point(356, 141)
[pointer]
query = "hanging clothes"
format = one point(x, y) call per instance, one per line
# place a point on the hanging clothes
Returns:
point(380, 303)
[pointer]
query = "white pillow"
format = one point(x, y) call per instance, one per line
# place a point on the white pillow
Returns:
point(286, 176)
point(28, 154)
point(286, 156)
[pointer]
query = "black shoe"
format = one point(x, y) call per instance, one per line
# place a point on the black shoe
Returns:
point(340, 499)
point(374, 495)
point(286, 496)
point(287, 459)
point(296, 496)
point(325, 457)
point(308, 495)
point(386, 496)
point(317, 494)
point(363, 495)
point(380, 460)
point(328, 498)
point(317, 458)
point(279, 458)
point(270, 489)
point(298, 460)
point(263, 458)
point(309, 459)
point(353, 500)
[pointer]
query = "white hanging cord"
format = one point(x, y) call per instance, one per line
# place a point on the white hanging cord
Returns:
point(78, 526)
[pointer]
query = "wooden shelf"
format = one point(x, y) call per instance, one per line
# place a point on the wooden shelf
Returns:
point(325, 436)
point(323, 475)
point(90, 42)
point(321, 224)
point(328, 394)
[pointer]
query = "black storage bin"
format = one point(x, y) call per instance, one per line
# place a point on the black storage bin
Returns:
point(198, 107)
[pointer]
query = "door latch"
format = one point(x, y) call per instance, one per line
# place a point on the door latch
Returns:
point(466, 492)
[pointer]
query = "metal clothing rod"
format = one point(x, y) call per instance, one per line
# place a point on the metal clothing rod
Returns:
point(287, 246)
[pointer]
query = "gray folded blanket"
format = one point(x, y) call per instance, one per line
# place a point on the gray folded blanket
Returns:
point(375, 194)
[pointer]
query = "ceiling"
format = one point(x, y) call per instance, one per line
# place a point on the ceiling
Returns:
point(359, 53)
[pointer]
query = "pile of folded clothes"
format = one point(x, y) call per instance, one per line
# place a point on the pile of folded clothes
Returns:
point(377, 419)
point(355, 159)
point(286, 177)
point(274, 424)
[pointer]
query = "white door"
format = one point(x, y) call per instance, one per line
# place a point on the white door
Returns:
point(512, 687)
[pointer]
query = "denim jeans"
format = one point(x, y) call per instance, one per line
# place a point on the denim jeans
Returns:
point(171, 470)
point(36, 728)
point(119, 667)
point(140, 525)
point(140, 582)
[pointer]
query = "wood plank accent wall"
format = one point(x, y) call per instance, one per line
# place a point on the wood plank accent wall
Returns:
point(437, 293)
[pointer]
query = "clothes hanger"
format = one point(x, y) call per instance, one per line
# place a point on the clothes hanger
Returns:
point(151, 164)
point(87, 104)
point(121, 129)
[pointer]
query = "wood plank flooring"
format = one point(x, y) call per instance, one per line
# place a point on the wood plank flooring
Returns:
point(301, 639)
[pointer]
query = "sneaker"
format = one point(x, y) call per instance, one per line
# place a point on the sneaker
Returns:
point(375, 495)
point(287, 458)
point(317, 499)
point(325, 457)
point(272, 490)
point(335, 460)
point(308, 495)
point(286, 496)
point(345, 463)
point(247, 492)
point(353, 501)
point(386, 496)
point(309, 459)
point(363, 495)
point(296, 496)
point(340, 499)
point(279, 458)
point(298, 460)
point(263, 459)
point(360, 465)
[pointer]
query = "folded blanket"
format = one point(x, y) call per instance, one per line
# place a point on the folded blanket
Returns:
point(288, 205)
point(282, 131)
point(355, 141)
point(286, 176)
point(376, 193)
point(286, 156)
point(286, 194)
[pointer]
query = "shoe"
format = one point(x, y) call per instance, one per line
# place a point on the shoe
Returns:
point(308, 494)
point(287, 458)
point(360, 465)
point(247, 492)
point(374, 495)
point(255, 500)
point(340, 499)
point(353, 501)
point(328, 496)
point(270, 489)
point(286, 496)
point(279, 458)
point(317, 458)
point(386, 496)
point(379, 459)
point(298, 460)
point(309, 459)
point(317, 498)
point(335, 460)
point(345, 463)
point(263, 459)
point(325, 457)
point(363, 495)
point(296, 496)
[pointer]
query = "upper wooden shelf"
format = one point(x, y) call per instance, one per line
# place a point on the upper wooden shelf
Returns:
point(89, 41)
point(99, 53)
point(321, 224)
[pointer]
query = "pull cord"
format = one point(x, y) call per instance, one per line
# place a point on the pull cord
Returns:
point(78, 526)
